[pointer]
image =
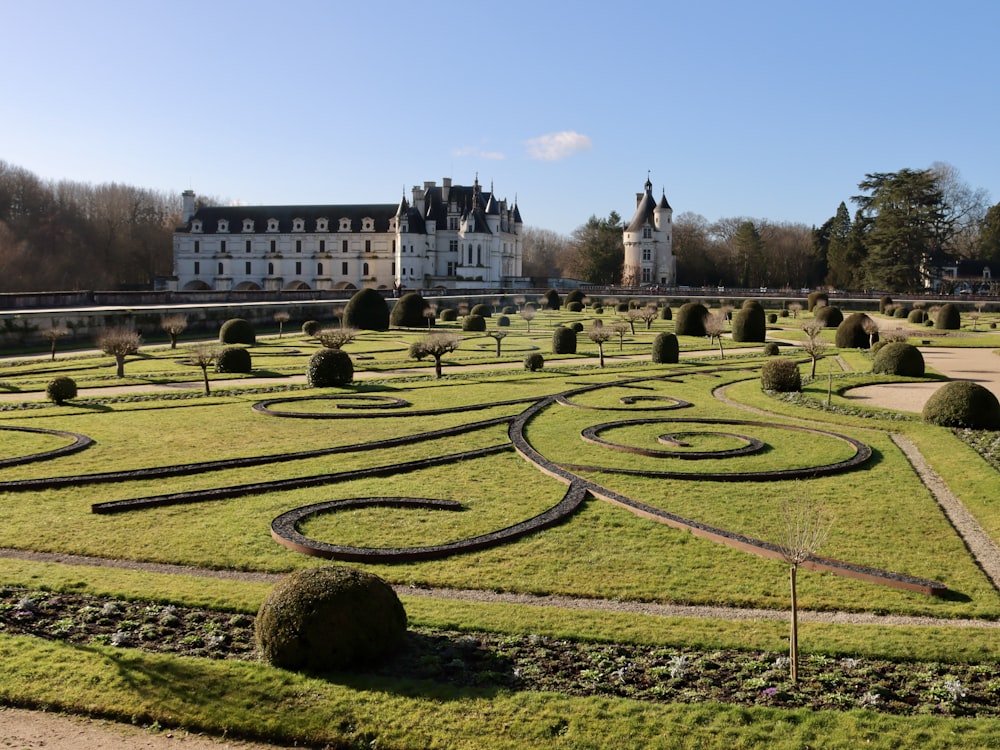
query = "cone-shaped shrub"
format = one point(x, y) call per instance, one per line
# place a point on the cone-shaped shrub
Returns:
point(237, 331)
point(408, 312)
point(367, 310)
point(898, 358)
point(851, 333)
point(781, 375)
point(329, 618)
point(690, 320)
point(329, 368)
point(749, 324)
point(948, 318)
point(563, 340)
point(666, 350)
point(962, 403)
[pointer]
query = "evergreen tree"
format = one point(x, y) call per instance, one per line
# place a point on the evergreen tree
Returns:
point(989, 235)
point(750, 252)
point(600, 250)
point(841, 261)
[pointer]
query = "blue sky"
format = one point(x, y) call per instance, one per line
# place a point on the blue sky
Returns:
point(766, 109)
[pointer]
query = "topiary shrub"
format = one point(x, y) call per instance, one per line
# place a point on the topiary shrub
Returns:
point(367, 310)
point(329, 618)
point(780, 375)
point(771, 349)
point(598, 309)
point(233, 359)
point(929, 322)
point(784, 312)
point(310, 328)
point(448, 315)
point(666, 350)
point(503, 322)
point(552, 300)
point(993, 324)
point(574, 306)
point(481, 310)
point(690, 320)
point(829, 315)
point(815, 297)
point(962, 403)
point(898, 358)
point(329, 368)
point(917, 316)
point(665, 313)
point(883, 302)
point(772, 318)
point(61, 389)
point(577, 326)
point(901, 311)
point(509, 310)
point(749, 324)
point(534, 361)
point(948, 318)
point(563, 340)
point(621, 307)
point(237, 331)
point(574, 295)
point(475, 323)
point(752, 304)
point(851, 333)
point(408, 312)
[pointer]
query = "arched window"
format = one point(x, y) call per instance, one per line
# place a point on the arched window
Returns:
point(319, 269)
point(270, 269)
point(364, 270)
point(220, 269)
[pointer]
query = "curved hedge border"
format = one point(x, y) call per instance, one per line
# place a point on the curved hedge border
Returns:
point(78, 443)
point(750, 445)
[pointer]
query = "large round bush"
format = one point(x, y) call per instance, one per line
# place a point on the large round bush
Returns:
point(563, 340)
point(474, 323)
point(367, 310)
point(690, 320)
point(61, 389)
point(329, 618)
point(948, 318)
point(448, 315)
point(237, 331)
point(899, 358)
point(233, 359)
point(574, 306)
point(666, 350)
point(781, 375)
point(901, 311)
point(829, 315)
point(552, 300)
point(408, 312)
point(329, 368)
point(917, 316)
point(311, 327)
point(483, 310)
point(574, 295)
point(749, 323)
point(962, 403)
point(851, 333)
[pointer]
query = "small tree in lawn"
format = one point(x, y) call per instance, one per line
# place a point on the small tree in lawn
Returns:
point(804, 529)
point(715, 326)
point(53, 334)
point(174, 326)
point(281, 317)
point(498, 334)
point(648, 314)
point(430, 314)
point(600, 336)
point(813, 345)
point(619, 327)
point(338, 314)
point(435, 345)
point(795, 308)
point(631, 315)
point(204, 356)
point(119, 343)
point(336, 338)
point(528, 313)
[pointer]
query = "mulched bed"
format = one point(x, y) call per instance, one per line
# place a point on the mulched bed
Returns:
point(489, 661)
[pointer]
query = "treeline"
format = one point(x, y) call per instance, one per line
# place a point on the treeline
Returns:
point(69, 235)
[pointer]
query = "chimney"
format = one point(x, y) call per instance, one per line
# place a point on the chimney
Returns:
point(187, 210)
point(445, 188)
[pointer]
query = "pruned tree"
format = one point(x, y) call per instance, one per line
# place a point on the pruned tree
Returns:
point(174, 326)
point(498, 334)
point(715, 326)
point(795, 308)
point(528, 313)
point(336, 338)
point(204, 356)
point(619, 327)
point(813, 345)
point(119, 343)
point(435, 345)
point(53, 334)
point(430, 314)
point(600, 336)
point(281, 317)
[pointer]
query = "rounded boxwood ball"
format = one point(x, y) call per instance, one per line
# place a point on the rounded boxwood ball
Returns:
point(829, 315)
point(917, 316)
point(962, 403)
point(329, 618)
point(448, 315)
point(534, 362)
point(329, 368)
point(574, 306)
point(851, 333)
point(666, 350)
point(233, 359)
point(474, 323)
point(310, 327)
point(367, 310)
point(771, 349)
point(61, 389)
point(899, 358)
point(484, 310)
point(408, 312)
point(237, 331)
point(690, 320)
point(948, 318)
point(780, 375)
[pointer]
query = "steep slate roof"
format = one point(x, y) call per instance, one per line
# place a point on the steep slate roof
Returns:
point(644, 211)
point(382, 213)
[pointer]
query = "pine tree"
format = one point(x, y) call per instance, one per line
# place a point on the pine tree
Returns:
point(839, 256)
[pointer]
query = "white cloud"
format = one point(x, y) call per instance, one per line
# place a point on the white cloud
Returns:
point(555, 146)
point(479, 153)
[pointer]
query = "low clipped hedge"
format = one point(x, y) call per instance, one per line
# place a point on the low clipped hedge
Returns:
point(475, 323)
point(780, 375)
point(329, 368)
point(690, 320)
point(948, 318)
point(234, 359)
point(61, 389)
point(563, 340)
point(237, 331)
point(962, 403)
point(666, 350)
point(329, 618)
point(899, 358)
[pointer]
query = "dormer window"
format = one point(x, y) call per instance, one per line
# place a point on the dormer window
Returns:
point(196, 225)
point(298, 225)
point(223, 225)
point(272, 225)
point(322, 225)
point(248, 225)
point(345, 225)
point(368, 224)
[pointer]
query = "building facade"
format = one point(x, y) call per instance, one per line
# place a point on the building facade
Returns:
point(445, 237)
point(648, 239)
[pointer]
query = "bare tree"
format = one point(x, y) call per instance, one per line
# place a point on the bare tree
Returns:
point(174, 326)
point(528, 313)
point(813, 345)
point(498, 334)
point(804, 529)
point(204, 356)
point(119, 343)
point(648, 314)
point(795, 308)
point(430, 313)
point(335, 338)
point(281, 317)
point(715, 326)
point(435, 345)
point(631, 316)
point(619, 327)
point(338, 314)
point(600, 336)
point(53, 334)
